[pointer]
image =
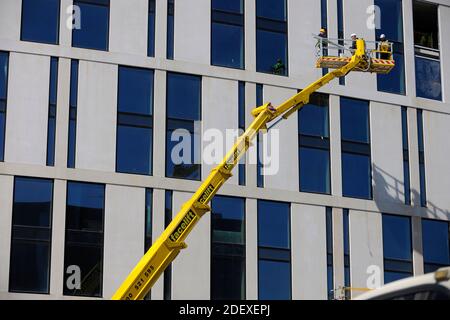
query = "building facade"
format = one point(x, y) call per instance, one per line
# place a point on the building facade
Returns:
point(89, 103)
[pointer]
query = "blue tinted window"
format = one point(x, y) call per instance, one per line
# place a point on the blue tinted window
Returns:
point(435, 242)
point(135, 90)
point(273, 224)
point(73, 114)
point(390, 276)
point(314, 154)
point(52, 112)
point(259, 140)
point(94, 31)
point(84, 236)
point(148, 218)
point(74, 83)
point(392, 23)
point(346, 231)
point(3, 93)
point(313, 120)
point(397, 237)
point(242, 126)
point(423, 185)
point(228, 248)
point(355, 120)
point(428, 78)
point(356, 176)
point(170, 28)
point(85, 203)
point(324, 13)
point(271, 47)
point(31, 236)
point(40, 21)
point(183, 96)
point(236, 6)
point(272, 9)
point(227, 45)
point(394, 82)
point(314, 170)
point(228, 220)
point(135, 123)
point(2, 133)
point(134, 149)
point(183, 110)
point(274, 280)
point(32, 202)
point(151, 29)
point(3, 74)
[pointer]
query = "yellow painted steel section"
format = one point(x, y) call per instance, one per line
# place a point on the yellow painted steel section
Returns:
point(169, 244)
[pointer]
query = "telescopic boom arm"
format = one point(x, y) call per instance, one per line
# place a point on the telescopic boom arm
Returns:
point(169, 244)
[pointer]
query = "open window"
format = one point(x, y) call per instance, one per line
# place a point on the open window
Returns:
point(426, 30)
point(427, 53)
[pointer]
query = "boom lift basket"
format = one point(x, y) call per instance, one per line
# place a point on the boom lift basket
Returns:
point(342, 48)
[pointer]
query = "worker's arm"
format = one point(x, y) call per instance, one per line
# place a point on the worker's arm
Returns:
point(169, 244)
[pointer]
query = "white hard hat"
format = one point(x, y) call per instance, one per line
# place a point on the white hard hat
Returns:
point(353, 35)
point(383, 36)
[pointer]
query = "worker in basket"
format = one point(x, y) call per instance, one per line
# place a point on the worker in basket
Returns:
point(323, 35)
point(384, 48)
point(354, 38)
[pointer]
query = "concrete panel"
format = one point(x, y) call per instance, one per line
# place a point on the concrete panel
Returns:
point(159, 123)
point(6, 204)
point(219, 115)
point(128, 27)
point(10, 18)
point(302, 25)
point(355, 21)
point(417, 245)
point(437, 171)
point(387, 154)
point(444, 32)
point(193, 31)
point(338, 250)
point(28, 99)
point(124, 234)
point(161, 29)
point(287, 176)
point(191, 270)
point(366, 247)
point(58, 236)
point(408, 38)
point(335, 145)
point(250, 35)
point(65, 18)
point(96, 116)
point(251, 249)
point(309, 252)
point(413, 157)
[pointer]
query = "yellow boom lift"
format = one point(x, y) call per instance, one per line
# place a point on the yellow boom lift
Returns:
point(168, 246)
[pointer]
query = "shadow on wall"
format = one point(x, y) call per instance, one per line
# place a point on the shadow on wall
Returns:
point(389, 197)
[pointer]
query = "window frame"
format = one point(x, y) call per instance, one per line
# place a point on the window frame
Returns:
point(313, 142)
point(187, 124)
point(101, 246)
point(108, 27)
point(58, 22)
point(215, 20)
point(357, 148)
point(264, 252)
point(262, 24)
point(136, 120)
point(232, 245)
